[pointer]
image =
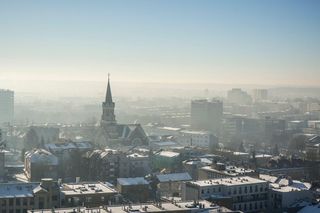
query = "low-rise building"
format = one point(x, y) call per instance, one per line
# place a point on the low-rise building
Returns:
point(89, 194)
point(284, 192)
point(245, 193)
point(165, 159)
point(220, 170)
point(40, 163)
point(20, 197)
point(170, 184)
point(135, 189)
point(139, 165)
point(108, 165)
point(160, 207)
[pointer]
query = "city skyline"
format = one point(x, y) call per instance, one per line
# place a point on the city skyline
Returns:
point(212, 42)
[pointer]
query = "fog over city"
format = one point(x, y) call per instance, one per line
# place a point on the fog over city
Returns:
point(159, 106)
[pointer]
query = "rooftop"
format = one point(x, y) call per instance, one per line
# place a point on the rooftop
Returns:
point(11, 190)
point(168, 154)
point(137, 155)
point(132, 181)
point(185, 206)
point(195, 132)
point(230, 170)
point(174, 177)
point(68, 145)
point(86, 188)
point(283, 184)
point(228, 181)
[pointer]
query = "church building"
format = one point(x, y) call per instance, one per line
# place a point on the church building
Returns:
point(113, 134)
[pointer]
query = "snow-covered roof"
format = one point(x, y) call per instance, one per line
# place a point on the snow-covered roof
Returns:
point(11, 190)
point(132, 181)
point(67, 146)
point(42, 156)
point(174, 177)
point(137, 155)
point(285, 184)
point(233, 181)
point(169, 154)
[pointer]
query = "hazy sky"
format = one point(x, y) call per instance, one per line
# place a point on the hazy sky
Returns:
point(241, 42)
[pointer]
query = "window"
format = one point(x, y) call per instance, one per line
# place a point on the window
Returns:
point(245, 189)
point(18, 201)
point(202, 191)
point(250, 189)
point(250, 206)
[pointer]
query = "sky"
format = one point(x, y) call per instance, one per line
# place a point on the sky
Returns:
point(168, 41)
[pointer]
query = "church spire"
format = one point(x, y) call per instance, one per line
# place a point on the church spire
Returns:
point(108, 116)
point(108, 94)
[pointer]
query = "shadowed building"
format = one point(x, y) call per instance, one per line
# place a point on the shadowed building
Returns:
point(206, 115)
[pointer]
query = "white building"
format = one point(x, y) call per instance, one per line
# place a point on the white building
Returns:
point(203, 139)
point(284, 192)
point(246, 194)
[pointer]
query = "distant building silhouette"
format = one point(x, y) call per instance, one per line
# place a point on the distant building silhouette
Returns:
point(238, 96)
point(206, 115)
point(260, 95)
point(6, 106)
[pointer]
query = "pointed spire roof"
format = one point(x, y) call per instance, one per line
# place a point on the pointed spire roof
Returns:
point(108, 95)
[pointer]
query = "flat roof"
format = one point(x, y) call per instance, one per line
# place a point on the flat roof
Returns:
point(169, 154)
point(147, 207)
point(244, 180)
point(230, 170)
point(86, 188)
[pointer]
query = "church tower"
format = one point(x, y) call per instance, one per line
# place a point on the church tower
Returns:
point(108, 118)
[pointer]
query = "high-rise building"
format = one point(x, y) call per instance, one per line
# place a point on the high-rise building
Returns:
point(206, 115)
point(238, 96)
point(6, 106)
point(260, 94)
